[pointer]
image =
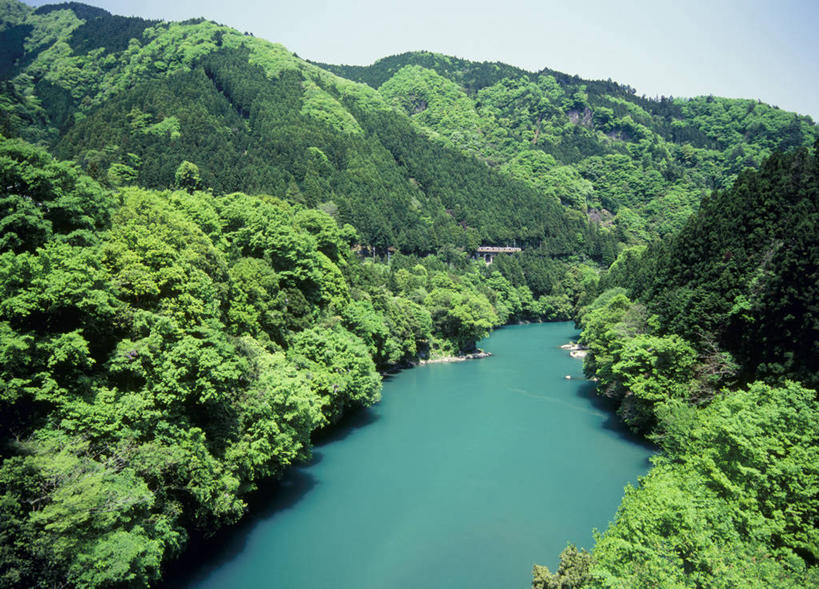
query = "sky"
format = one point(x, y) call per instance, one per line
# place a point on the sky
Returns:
point(760, 49)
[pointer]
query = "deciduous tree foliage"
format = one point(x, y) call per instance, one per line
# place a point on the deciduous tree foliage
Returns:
point(731, 502)
point(732, 498)
point(595, 146)
point(162, 352)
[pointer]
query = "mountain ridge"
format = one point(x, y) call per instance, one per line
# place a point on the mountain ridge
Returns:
point(635, 167)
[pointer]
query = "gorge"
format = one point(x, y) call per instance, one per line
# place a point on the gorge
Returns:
point(462, 477)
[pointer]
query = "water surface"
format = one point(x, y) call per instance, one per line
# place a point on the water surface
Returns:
point(463, 476)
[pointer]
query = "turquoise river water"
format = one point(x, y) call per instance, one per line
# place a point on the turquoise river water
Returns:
point(463, 476)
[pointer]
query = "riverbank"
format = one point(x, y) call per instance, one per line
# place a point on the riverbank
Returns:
point(576, 350)
point(447, 359)
point(420, 481)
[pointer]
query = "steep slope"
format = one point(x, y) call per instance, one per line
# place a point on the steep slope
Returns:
point(595, 145)
point(130, 99)
point(735, 291)
point(713, 358)
point(745, 269)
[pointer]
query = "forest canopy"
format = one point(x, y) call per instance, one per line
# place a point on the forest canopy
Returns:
point(211, 249)
point(708, 343)
point(164, 351)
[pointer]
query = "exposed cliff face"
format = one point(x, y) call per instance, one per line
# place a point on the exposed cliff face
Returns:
point(581, 117)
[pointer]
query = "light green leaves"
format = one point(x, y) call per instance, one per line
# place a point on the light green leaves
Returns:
point(732, 503)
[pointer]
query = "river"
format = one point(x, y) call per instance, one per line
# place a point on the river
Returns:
point(463, 476)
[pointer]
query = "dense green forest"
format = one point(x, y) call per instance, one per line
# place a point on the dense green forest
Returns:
point(438, 144)
point(708, 342)
point(255, 118)
point(163, 351)
point(638, 166)
point(210, 249)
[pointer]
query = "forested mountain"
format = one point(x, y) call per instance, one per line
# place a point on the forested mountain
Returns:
point(445, 153)
point(707, 342)
point(209, 248)
point(745, 269)
point(639, 164)
point(130, 99)
point(106, 90)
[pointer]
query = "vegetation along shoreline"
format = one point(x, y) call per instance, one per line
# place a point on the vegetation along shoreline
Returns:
point(185, 303)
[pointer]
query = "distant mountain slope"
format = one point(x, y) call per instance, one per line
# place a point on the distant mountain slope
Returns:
point(130, 99)
point(472, 75)
point(594, 144)
point(636, 167)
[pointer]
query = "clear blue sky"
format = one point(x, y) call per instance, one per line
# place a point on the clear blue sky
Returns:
point(759, 49)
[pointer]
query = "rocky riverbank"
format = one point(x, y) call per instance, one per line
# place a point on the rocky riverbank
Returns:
point(446, 359)
point(575, 350)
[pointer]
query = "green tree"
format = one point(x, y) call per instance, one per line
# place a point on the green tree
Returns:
point(574, 571)
point(340, 371)
point(187, 176)
point(652, 369)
